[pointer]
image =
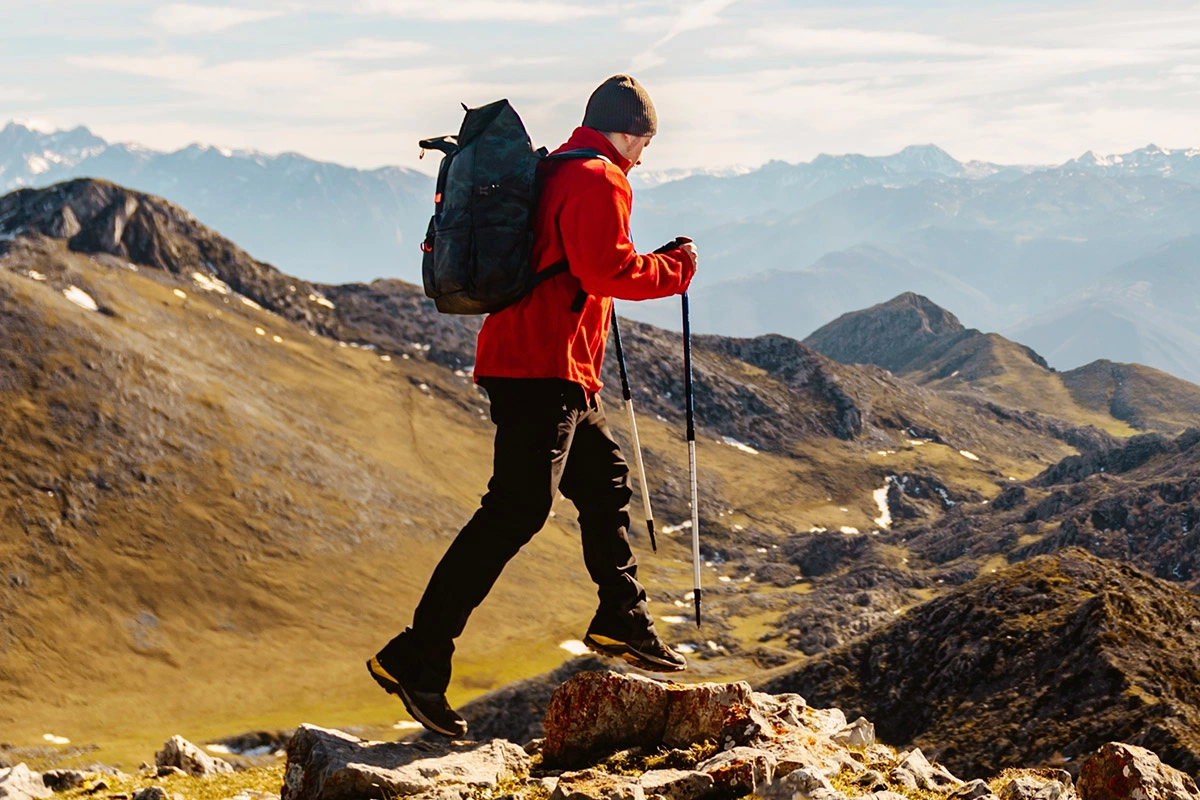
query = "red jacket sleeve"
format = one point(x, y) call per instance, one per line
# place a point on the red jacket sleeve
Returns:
point(594, 224)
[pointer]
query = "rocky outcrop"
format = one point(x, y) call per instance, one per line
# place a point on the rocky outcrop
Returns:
point(1123, 772)
point(331, 765)
point(182, 754)
point(22, 783)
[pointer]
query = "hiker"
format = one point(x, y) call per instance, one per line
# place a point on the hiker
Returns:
point(539, 361)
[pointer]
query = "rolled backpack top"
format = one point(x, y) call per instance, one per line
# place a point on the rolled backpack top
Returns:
point(478, 247)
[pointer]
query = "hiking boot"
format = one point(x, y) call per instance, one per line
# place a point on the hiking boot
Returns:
point(428, 708)
point(645, 651)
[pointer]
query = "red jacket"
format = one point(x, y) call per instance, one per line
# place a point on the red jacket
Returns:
point(583, 216)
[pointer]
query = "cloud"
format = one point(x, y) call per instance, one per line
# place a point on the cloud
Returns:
point(185, 18)
point(532, 11)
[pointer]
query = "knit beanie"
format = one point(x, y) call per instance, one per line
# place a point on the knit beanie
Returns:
point(621, 105)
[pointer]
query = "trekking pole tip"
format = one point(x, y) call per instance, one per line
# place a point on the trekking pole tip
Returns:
point(650, 528)
point(697, 602)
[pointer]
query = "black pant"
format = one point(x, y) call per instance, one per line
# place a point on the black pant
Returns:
point(550, 437)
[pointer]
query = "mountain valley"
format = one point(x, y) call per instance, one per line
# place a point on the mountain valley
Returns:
point(225, 486)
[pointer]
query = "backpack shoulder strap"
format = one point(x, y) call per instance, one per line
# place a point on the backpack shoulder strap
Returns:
point(578, 154)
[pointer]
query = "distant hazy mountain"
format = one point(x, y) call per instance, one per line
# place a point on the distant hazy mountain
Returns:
point(1146, 311)
point(1183, 165)
point(320, 221)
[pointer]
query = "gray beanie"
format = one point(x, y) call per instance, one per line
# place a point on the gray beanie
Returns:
point(621, 105)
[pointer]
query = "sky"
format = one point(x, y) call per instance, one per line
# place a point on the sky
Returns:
point(735, 82)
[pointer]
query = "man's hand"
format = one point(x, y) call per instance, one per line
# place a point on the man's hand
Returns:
point(690, 250)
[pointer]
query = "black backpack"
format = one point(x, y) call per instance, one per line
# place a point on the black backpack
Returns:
point(479, 243)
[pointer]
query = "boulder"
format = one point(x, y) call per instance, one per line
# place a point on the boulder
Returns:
point(179, 752)
point(331, 765)
point(859, 733)
point(600, 712)
point(594, 785)
point(64, 780)
point(22, 783)
point(676, 784)
point(798, 785)
point(1124, 772)
point(915, 772)
point(975, 790)
point(151, 793)
point(1038, 785)
point(739, 771)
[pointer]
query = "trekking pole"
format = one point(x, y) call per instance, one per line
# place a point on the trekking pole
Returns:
point(691, 440)
point(628, 397)
point(637, 444)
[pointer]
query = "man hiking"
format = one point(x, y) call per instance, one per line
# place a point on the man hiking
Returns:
point(539, 361)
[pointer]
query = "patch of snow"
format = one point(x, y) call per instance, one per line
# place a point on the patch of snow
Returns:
point(968, 455)
point(674, 619)
point(182, 295)
point(459, 373)
point(218, 748)
point(685, 648)
point(37, 165)
point(848, 529)
point(37, 276)
point(738, 528)
point(724, 579)
point(843, 508)
point(683, 526)
point(277, 339)
point(884, 520)
point(745, 448)
point(210, 284)
point(954, 374)
point(320, 300)
point(80, 298)
point(50, 737)
point(424, 387)
point(918, 442)
point(246, 301)
point(713, 645)
point(409, 725)
point(574, 647)
point(761, 550)
point(385, 358)
point(405, 356)
point(1011, 478)
point(689, 596)
point(817, 529)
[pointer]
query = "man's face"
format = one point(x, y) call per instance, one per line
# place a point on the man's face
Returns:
point(635, 146)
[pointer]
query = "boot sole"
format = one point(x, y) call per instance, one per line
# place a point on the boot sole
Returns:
point(393, 687)
point(604, 646)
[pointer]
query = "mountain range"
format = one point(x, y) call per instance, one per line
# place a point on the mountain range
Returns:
point(229, 484)
point(1077, 260)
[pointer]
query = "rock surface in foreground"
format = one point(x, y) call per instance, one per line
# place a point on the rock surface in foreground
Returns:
point(331, 765)
point(598, 711)
point(1122, 771)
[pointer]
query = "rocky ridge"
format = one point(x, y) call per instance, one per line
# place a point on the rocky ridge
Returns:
point(611, 737)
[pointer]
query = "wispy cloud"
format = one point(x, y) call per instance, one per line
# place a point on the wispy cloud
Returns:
point(186, 18)
point(690, 16)
point(531, 11)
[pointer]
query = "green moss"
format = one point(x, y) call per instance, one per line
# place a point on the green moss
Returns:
point(267, 780)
